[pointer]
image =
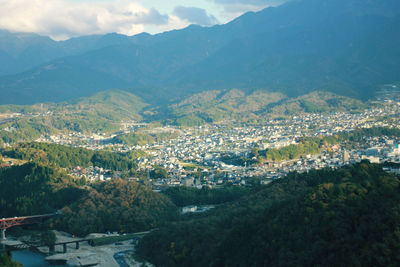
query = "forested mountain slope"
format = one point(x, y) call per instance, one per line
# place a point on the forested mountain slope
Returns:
point(329, 217)
point(350, 47)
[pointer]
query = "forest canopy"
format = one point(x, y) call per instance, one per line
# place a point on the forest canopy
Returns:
point(68, 157)
point(119, 206)
point(32, 189)
point(345, 217)
point(116, 205)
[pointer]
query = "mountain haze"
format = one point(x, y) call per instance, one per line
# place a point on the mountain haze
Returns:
point(22, 51)
point(346, 47)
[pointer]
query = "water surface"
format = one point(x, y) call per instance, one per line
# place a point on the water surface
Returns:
point(31, 259)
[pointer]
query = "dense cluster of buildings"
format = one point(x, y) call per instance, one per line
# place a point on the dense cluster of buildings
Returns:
point(203, 147)
point(194, 158)
point(91, 173)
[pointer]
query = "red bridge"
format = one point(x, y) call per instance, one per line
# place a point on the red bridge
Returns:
point(6, 223)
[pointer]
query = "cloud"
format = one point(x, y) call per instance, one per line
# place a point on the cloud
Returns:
point(62, 19)
point(249, 2)
point(195, 15)
point(152, 17)
point(235, 8)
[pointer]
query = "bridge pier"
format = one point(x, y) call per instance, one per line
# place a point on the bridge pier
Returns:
point(51, 249)
point(3, 235)
point(64, 248)
point(77, 245)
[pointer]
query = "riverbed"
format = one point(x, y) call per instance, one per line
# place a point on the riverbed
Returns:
point(112, 255)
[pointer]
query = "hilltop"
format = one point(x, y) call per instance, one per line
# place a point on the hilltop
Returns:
point(106, 111)
point(102, 112)
point(239, 105)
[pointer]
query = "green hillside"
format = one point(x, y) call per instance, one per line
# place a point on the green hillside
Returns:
point(101, 112)
point(215, 106)
point(316, 102)
point(345, 217)
point(69, 157)
point(116, 205)
point(32, 189)
point(113, 105)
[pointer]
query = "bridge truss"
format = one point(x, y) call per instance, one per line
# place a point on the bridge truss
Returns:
point(6, 223)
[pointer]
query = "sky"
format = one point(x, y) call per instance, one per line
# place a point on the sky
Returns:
point(63, 19)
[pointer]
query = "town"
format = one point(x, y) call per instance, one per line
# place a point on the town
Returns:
point(196, 156)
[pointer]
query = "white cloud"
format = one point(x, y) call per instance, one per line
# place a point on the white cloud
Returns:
point(235, 8)
point(174, 23)
point(195, 15)
point(249, 2)
point(61, 19)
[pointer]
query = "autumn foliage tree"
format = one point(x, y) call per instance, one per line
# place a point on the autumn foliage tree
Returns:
point(117, 205)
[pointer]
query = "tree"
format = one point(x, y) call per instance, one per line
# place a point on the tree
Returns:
point(6, 261)
point(158, 173)
point(255, 152)
point(48, 238)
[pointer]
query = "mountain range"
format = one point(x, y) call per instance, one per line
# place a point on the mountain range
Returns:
point(348, 47)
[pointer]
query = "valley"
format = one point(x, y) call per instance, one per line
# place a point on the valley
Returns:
point(258, 133)
point(264, 144)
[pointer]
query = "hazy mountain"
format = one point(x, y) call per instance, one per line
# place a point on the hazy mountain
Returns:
point(23, 51)
point(308, 45)
point(347, 47)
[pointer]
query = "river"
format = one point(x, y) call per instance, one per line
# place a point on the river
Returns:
point(31, 259)
point(119, 257)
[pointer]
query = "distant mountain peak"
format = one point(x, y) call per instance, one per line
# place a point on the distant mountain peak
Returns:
point(349, 47)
